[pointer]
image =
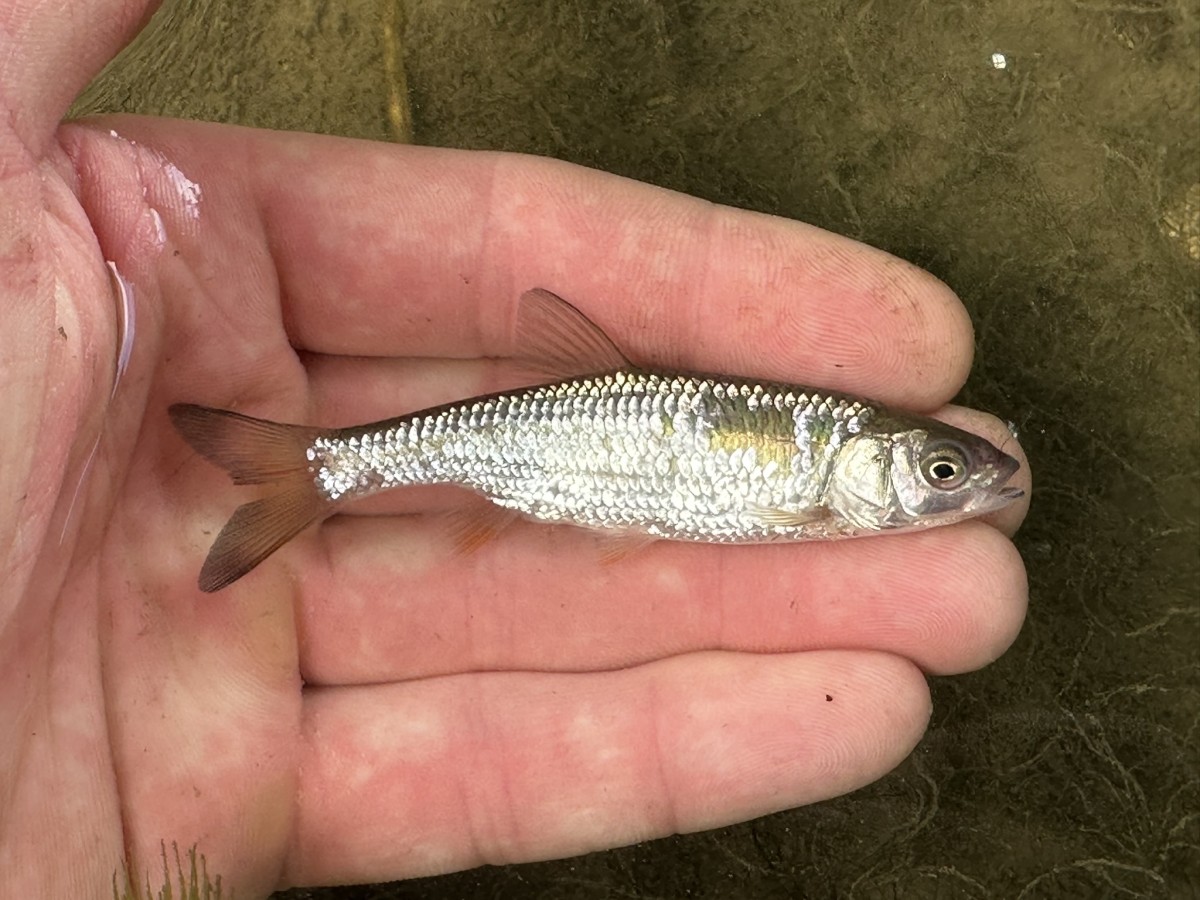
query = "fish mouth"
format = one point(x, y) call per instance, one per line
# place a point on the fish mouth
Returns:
point(999, 493)
point(1002, 492)
point(990, 500)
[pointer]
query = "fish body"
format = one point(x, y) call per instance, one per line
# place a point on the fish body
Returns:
point(627, 451)
point(681, 457)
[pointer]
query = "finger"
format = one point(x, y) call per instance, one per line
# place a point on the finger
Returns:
point(676, 281)
point(950, 599)
point(407, 251)
point(50, 49)
point(352, 390)
point(449, 773)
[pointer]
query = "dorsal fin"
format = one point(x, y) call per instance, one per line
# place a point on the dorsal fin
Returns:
point(556, 339)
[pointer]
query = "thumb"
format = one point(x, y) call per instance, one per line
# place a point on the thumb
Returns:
point(49, 50)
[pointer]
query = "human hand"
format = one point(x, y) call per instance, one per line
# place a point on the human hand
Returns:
point(370, 705)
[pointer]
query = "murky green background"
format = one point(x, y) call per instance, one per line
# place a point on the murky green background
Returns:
point(1060, 196)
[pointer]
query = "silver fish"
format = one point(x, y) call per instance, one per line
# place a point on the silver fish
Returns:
point(627, 451)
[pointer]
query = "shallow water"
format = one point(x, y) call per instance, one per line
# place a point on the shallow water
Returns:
point(1058, 194)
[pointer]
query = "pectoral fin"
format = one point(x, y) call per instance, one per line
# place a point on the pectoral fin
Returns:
point(788, 518)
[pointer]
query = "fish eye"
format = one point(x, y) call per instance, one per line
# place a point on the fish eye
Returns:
point(945, 466)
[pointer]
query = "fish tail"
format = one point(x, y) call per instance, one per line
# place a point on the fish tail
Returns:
point(253, 451)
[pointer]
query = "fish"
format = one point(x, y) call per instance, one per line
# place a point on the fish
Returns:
point(630, 452)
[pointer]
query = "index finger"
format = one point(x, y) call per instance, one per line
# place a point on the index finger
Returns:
point(384, 250)
point(445, 242)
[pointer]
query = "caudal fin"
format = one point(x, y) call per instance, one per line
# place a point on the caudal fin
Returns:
point(253, 451)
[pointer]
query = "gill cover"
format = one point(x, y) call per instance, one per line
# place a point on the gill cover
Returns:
point(859, 490)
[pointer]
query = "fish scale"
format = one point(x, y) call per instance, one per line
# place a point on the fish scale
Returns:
point(683, 457)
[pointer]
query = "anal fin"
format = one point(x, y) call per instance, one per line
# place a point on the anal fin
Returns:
point(616, 546)
point(470, 527)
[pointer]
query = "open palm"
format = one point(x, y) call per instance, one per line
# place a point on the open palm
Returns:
point(369, 704)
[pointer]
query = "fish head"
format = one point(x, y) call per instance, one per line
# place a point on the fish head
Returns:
point(905, 476)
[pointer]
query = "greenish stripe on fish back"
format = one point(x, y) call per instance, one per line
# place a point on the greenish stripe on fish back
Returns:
point(675, 455)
